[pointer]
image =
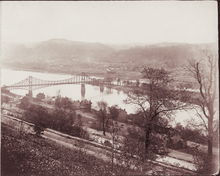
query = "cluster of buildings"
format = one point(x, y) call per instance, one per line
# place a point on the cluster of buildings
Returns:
point(126, 66)
point(49, 102)
point(171, 138)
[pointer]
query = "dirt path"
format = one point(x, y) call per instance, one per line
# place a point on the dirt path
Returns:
point(88, 115)
point(180, 155)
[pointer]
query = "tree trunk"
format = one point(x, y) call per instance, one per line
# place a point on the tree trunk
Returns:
point(210, 128)
point(210, 148)
point(210, 136)
point(103, 127)
point(113, 153)
point(103, 131)
point(147, 139)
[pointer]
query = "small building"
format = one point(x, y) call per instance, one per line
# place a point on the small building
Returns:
point(37, 100)
point(76, 104)
point(47, 100)
point(111, 71)
point(122, 115)
point(176, 137)
point(24, 102)
point(41, 96)
point(85, 105)
point(176, 142)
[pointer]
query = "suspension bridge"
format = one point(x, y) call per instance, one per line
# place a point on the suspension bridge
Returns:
point(31, 83)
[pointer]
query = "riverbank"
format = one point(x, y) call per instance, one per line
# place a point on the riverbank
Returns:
point(123, 75)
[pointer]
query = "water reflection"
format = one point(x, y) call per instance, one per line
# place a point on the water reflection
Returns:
point(108, 90)
point(83, 91)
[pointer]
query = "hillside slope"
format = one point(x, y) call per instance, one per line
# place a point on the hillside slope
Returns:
point(168, 54)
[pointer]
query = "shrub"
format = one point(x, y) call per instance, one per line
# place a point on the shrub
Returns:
point(39, 116)
point(201, 160)
point(170, 143)
point(60, 120)
point(135, 133)
point(39, 129)
point(107, 143)
point(179, 144)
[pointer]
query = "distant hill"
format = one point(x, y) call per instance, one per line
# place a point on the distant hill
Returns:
point(166, 53)
point(124, 46)
point(58, 51)
point(55, 50)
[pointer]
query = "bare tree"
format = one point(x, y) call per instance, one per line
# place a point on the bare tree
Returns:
point(157, 97)
point(115, 135)
point(205, 73)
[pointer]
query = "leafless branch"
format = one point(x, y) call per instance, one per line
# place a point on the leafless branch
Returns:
point(201, 118)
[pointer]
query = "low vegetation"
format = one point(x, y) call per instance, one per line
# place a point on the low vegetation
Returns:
point(61, 119)
point(37, 156)
point(25, 154)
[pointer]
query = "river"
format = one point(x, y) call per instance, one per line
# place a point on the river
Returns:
point(73, 91)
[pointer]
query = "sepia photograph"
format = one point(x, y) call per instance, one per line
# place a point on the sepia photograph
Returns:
point(109, 88)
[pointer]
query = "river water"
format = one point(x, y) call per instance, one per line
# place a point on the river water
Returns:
point(73, 91)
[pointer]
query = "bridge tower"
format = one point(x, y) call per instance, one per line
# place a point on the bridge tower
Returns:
point(30, 93)
point(83, 87)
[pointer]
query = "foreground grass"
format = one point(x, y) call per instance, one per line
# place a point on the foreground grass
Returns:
point(31, 155)
point(27, 154)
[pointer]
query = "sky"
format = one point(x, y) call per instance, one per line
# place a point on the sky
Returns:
point(110, 22)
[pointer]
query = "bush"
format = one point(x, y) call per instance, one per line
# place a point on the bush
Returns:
point(201, 160)
point(179, 144)
point(170, 143)
point(78, 131)
point(107, 143)
point(135, 133)
point(39, 116)
point(39, 129)
point(60, 120)
point(96, 126)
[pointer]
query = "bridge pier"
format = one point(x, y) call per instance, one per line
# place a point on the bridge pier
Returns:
point(83, 91)
point(30, 93)
point(108, 90)
point(101, 88)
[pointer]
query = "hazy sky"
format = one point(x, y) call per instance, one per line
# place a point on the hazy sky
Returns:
point(110, 22)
